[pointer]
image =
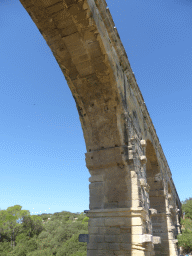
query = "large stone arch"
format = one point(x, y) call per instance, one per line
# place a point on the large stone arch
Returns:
point(115, 123)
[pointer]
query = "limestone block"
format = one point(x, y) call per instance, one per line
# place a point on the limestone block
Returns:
point(158, 177)
point(96, 178)
point(102, 230)
point(134, 183)
point(125, 246)
point(143, 143)
point(96, 239)
point(92, 246)
point(125, 238)
point(96, 186)
point(138, 252)
point(96, 222)
point(152, 211)
point(142, 182)
point(111, 238)
point(169, 196)
point(105, 158)
point(113, 246)
point(48, 3)
point(112, 230)
point(102, 246)
point(96, 200)
point(147, 238)
point(125, 230)
point(135, 202)
point(136, 221)
point(137, 239)
point(143, 159)
point(171, 208)
point(93, 230)
point(156, 239)
point(118, 221)
point(137, 230)
point(171, 228)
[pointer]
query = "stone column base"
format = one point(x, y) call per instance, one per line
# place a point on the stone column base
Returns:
point(118, 231)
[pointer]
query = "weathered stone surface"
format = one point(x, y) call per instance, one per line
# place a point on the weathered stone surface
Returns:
point(129, 172)
point(156, 239)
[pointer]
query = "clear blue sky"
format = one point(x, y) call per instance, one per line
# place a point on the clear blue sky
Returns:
point(42, 149)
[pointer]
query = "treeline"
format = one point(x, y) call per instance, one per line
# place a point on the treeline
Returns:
point(38, 235)
point(185, 239)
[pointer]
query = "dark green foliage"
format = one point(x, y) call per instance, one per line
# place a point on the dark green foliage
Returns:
point(36, 235)
point(187, 208)
point(5, 247)
point(185, 239)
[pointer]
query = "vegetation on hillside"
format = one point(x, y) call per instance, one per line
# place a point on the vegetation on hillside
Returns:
point(38, 235)
point(185, 239)
point(57, 234)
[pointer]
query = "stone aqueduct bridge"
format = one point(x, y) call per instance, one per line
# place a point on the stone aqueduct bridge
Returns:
point(134, 206)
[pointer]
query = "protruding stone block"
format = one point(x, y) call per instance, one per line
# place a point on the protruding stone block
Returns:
point(143, 143)
point(96, 178)
point(171, 228)
point(143, 159)
point(106, 157)
point(156, 239)
point(142, 182)
point(169, 196)
point(147, 238)
point(152, 211)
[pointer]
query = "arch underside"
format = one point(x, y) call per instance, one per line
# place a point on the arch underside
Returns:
point(79, 50)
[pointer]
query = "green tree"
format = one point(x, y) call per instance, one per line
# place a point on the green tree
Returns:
point(8, 222)
point(57, 236)
point(32, 225)
point(72, 246)
point(185, 239)
point(187, 208)
point(86, 219)
point(5, 247)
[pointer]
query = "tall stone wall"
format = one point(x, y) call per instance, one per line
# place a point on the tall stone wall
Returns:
point(134, 206)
